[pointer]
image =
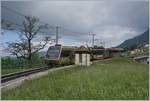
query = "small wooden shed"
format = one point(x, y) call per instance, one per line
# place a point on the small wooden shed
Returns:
point(82, 56)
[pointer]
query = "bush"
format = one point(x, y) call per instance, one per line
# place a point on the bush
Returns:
point(12, 63)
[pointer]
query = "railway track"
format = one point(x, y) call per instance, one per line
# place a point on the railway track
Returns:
point(12, 76)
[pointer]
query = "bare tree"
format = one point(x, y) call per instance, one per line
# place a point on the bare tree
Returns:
point(25, 47)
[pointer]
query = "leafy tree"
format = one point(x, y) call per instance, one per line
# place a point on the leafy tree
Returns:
point(25, 48)
point(36, 58)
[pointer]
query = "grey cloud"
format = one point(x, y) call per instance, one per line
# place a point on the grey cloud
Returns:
point(112, 21)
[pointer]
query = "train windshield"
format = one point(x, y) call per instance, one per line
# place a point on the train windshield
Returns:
point(54, 52)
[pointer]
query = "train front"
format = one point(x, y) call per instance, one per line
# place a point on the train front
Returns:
point(53, 55)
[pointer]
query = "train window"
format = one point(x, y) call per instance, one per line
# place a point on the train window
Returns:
point(54, 52)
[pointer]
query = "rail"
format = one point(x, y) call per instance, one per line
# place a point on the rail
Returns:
point(12, 76)
point(8, 77)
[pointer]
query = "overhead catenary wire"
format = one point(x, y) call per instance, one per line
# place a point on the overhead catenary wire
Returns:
point(7, 22)
point(74, 32)
point(70, 32)
point(10, 25)
point(20, 14)
point(51, 26)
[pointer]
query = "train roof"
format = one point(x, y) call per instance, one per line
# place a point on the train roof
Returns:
point(80, 49)
point(69, 48)
point(109, 49)
point(84, 49)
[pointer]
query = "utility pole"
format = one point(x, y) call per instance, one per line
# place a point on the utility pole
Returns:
point(93, 39)
point(103, 44)
point(57, 35)
point(86, 42)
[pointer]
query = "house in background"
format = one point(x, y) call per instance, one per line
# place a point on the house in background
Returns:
point(106, 52)
point(142, 59)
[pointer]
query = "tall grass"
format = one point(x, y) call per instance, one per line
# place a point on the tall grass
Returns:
point(11, 65)
point(114, 79)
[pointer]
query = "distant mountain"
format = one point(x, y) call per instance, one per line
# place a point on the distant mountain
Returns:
point(138, 40)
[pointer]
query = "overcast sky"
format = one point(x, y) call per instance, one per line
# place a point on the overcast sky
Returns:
point(113, 21)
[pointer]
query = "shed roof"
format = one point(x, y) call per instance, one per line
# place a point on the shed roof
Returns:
point(82, 49)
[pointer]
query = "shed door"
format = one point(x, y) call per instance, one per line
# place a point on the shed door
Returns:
point(80, 58)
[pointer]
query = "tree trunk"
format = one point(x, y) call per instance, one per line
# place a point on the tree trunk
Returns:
point(29, 57)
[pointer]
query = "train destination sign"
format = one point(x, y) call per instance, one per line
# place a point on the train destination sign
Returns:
point(54, 52)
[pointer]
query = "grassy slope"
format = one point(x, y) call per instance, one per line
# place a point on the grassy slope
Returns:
point(113, 79)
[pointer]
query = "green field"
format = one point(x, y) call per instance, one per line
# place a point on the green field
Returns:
point(119, 78)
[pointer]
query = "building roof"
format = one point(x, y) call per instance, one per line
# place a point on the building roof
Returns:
point(82, 49)
point(109, 49)
point(141, 57)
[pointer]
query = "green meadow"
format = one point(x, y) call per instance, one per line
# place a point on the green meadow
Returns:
point(119, 78)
